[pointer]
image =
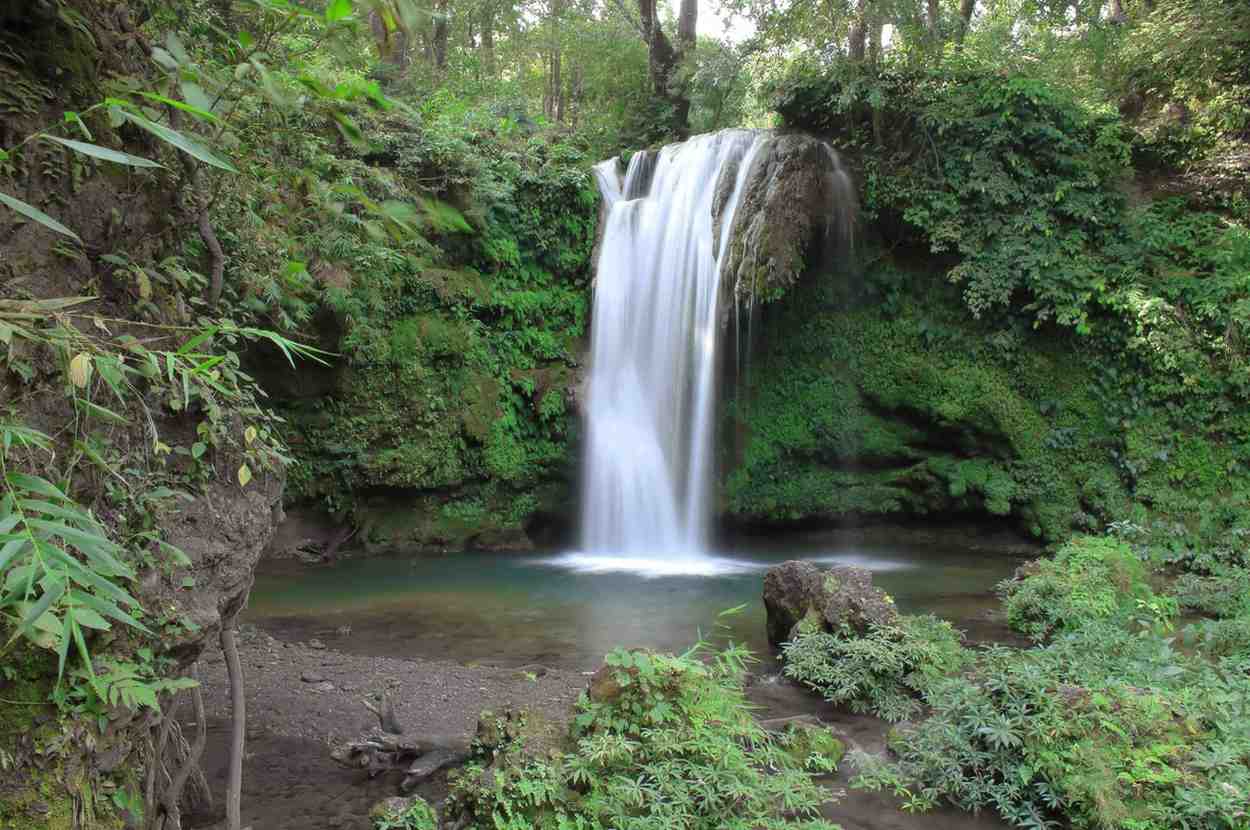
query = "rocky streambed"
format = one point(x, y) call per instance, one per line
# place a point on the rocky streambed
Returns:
point(304, 699)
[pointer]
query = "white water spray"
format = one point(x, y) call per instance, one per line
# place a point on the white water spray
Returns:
point(653, 348)
point(650, 411)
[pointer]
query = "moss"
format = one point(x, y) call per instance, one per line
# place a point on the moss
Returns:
point(814, 748)
point(903, 406)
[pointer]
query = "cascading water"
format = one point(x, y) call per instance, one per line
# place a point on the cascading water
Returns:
point(655, 330)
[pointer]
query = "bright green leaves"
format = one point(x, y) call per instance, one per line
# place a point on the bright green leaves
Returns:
point(179, 141)
point(96, 151)
point(60, 572)
point(337, 10)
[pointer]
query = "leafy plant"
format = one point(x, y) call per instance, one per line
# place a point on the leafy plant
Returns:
point(418, 815)
point(1103, 728)
point(885, 671)
point(62, 575)
point(1089, 579)
point(661, 741)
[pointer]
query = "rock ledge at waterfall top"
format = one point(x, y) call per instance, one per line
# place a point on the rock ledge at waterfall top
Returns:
point(796, 204)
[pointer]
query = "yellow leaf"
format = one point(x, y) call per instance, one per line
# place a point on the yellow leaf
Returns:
point(245, 475)
point(145, 284)
point(249, 434)
point(161, 448)
point(80, 370)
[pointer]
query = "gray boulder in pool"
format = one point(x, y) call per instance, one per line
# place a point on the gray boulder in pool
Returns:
point(795, 591)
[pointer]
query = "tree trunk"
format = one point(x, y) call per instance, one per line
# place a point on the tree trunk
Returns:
point(663, 57)
point(238, 725)
point(442, 25)
point(932, 19)
point(856, 40)
point(687, 24)
point(966, 8)
point(488, 38)
point(1117, 12)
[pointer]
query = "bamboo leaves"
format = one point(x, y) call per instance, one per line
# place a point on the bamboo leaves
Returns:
point(32, 212)
point(60, 573)
point(96, 151)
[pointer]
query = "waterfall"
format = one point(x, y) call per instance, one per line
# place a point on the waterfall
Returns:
point(653, 347)
point(650, 407)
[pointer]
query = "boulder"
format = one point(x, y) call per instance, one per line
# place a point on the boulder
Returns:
point(797, 591)
point(796, 201)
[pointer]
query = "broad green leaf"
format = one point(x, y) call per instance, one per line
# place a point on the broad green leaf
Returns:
point(52, 592)
point(108, 609)
point(96, 151)
point(73, 118)
point(11, 550)
point(35, 484)
point(245, 475)
point(175, 553)
point(174, 44)
point(101, 411)
point(198, 449)
point(164, 59)
point(351, 131)
point(89, 618)
point(184, 106)
point(338, 10)
point(32, 212)
point(187, 145)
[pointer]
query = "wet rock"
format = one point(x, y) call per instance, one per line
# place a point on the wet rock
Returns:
point(315, 643)
point(431, 762)
point(797, 592)
point(312, 677)
point(603, 687)
point(796, 200)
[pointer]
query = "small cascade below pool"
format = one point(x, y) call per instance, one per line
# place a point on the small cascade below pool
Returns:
point(656, 329)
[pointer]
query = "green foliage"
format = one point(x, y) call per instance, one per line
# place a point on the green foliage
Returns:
point(1010, 174)
point(885, 671)
point(1224, 593)
point(892, 401)
point(1088, 579)
point(1102, 728)
point(418, 815)
point(665, 742)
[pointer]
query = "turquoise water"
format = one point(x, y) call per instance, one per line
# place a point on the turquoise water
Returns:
point(566, 610)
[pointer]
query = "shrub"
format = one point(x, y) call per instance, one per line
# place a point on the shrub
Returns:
point(404, 814)
point(883, 672)
point(1088, 579)
point(661, 742)
point(1103, 728)
point(1223, 593)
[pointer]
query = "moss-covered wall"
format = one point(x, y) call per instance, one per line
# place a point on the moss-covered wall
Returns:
point(877, 396)
point(448, 418)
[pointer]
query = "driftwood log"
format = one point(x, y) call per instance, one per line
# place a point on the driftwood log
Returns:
point(385, 749)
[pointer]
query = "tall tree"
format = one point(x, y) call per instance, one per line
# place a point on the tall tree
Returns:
point(664, 57)
point(442, 25)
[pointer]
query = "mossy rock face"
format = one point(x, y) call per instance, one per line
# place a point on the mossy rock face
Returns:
point(876, 396)
point(799, 596)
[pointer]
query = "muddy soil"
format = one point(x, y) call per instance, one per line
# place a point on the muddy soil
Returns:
point(303, 698)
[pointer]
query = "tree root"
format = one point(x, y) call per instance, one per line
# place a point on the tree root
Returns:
point(238, 724)
point(171, 749)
